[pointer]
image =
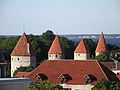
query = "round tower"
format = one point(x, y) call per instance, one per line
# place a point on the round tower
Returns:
point(55, 51)
point(81, 52)
point(101, 46)
point(22, 55)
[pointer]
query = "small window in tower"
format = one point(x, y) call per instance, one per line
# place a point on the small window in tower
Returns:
point(56, 55)
point(18, 59)
point(78, 54)
point(12, 58)
point(49, 55)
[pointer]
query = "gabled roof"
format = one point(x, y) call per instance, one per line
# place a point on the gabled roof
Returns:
point(55, 47)
point(101, 46)
point(23, 47)
point(76, 69)
point(82, 47)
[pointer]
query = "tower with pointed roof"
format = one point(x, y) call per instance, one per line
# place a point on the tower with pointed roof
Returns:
point(81, 52)
point(101, 46)
point(23, 54)
point(55, 51)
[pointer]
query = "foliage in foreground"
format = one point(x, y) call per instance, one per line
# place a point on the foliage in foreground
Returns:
point(105, 85)
point(45, 86)
point(23, 69)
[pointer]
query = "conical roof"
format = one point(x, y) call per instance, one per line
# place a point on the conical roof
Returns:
point(23, 47)
point(101, 46)
point(55, 47)
point(81, 48)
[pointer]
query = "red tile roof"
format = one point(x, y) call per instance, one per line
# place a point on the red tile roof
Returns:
point(101, 46)
point(76, 69)
point(23, 47)
point(81, 48)
point(21, 74)
point(55, 47)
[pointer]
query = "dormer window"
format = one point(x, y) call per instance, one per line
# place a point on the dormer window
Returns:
point(41, 77)
point(64, 78)
point(89, 79)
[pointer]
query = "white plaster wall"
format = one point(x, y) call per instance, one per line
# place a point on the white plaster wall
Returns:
point(55, 56)
point(80, 56)
point(78, 87)
point(24, 61)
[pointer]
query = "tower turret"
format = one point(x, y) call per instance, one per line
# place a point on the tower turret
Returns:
point(81, 52)
point(101, 46)
point(23, 54)
point(55, 51)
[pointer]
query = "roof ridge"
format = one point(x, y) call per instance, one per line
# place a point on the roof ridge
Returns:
point(102, 70)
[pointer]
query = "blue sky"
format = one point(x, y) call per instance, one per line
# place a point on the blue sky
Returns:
point(60, 16)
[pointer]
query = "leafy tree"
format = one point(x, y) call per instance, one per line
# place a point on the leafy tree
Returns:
point(105, 85)
point(23, 69)
point(104, 57)
point(45, 86)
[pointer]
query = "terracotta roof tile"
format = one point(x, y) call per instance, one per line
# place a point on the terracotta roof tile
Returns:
point(21, 74)
point(23, 47)
point(81, 48)
point(101, 46)
point(76, 69)
point(55, 47)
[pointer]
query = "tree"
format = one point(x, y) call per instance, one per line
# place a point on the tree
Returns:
point(106, 85)
point(40, 85)
point(104, 57)
point(23, 69)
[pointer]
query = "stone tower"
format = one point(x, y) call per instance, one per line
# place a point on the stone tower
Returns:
point(81, 52)
point(23, 54)
point(101, 46)
point(55, 51)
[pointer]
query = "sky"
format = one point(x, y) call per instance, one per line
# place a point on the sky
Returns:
point(60, 16)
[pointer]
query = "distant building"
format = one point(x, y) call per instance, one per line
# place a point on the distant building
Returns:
point(81, 52)
point(2, 65)
point(55, 51)
point(101, 46)
point(23, 54)
point(14, 83)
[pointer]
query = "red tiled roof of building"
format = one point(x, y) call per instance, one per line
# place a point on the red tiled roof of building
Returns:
point(21, 74)
point(81, 48)
point(101, 46)
point(55, 47)
point(23, 47)
point(118, 76)
point(76, 69)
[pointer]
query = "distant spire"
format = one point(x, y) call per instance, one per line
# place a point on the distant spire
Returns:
point(55, 47)
point(101, 46)
point(81, 48)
